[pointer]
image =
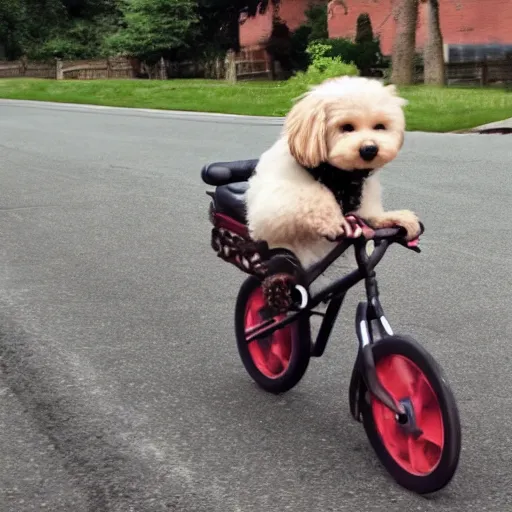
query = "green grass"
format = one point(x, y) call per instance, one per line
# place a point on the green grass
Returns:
point(430, 109)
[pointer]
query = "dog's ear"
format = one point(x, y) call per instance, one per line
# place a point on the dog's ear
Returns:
point(392, 90)
point(306, 129)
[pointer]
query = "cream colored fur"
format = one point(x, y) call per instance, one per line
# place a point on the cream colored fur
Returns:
point(286, 207)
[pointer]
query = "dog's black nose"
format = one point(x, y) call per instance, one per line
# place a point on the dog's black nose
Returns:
point(369, 152)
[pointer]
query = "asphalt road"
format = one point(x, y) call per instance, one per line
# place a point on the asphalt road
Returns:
point(120, 384)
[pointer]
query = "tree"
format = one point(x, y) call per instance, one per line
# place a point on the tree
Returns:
point(404, 45)
point(220, 20)
point(151, 28)
point(433, 55)
point(364, 30)
point(12, 15)
point(316, 16)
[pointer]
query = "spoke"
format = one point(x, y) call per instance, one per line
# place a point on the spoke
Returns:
point(431, 423)
point(397, 376)
point(419, 462)
point(281, 351)
point(424, 396)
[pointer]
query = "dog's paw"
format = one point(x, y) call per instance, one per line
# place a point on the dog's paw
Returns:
point(347, 227)
point(403, 218)
point(331, 231)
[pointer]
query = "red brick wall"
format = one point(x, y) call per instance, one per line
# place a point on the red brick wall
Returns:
point(256, 30)
point(462, 21)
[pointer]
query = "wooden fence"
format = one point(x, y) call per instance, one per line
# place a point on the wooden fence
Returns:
point(233, 67)
point(483, 73)
point(16, 69)
point(68, 69)
point(242, 66)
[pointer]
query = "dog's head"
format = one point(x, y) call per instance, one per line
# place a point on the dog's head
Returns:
point(349, 122)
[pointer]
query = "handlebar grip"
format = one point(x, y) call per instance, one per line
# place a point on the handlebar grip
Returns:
point(397, 232)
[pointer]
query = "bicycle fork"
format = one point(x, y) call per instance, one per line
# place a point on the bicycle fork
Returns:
point(369, 315)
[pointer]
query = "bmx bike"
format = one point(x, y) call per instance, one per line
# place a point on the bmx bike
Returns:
point(397, 390)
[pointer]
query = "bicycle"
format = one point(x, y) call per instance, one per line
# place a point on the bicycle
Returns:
point(397, 390)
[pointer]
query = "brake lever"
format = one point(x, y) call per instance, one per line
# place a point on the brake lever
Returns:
point(414, 244)
point(363, 230)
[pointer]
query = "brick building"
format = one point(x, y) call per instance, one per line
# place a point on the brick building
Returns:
point(463, 22)
point(255, 31)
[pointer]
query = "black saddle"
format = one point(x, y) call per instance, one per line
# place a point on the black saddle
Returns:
point(223, 173)
point(230, 200)
point(230, 178)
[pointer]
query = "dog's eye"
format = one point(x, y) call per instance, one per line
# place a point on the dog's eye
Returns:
point(379, 126)
point(347, 128)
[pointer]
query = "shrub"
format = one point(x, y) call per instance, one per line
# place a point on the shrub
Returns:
point(364, 55)
point(316, 16)
point(322, 67)
point(279, 45)
point(364, 30)
point(299, 42)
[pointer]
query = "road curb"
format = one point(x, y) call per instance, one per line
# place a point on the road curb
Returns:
point(147, 112)
point(497, 128)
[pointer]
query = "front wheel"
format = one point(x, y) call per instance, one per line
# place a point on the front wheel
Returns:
point(424, 463)
point(279, 361)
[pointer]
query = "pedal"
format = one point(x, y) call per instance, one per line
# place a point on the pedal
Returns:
point(277, 291)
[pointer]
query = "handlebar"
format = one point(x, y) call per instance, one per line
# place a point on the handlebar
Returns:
point(392, 235)
point(382, 238)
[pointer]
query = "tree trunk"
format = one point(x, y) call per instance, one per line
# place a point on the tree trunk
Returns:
point(404, 44)
point(433, 54)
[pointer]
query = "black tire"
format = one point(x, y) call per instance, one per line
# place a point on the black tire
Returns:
point(447, 464)
point(300, 345)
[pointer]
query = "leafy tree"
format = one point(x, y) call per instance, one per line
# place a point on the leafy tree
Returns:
point(364, 30)
point(25, 23)
point(152, 28)
point(219, 20)
point(12, 14)
point(316, 16)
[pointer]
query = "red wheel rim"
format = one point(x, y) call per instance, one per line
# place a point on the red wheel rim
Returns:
point(271, 355)
point(404, 380)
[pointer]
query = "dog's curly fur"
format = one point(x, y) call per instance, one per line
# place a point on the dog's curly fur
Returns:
point(286, 206)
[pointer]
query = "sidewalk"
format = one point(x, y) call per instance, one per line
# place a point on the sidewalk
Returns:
point(506, 124)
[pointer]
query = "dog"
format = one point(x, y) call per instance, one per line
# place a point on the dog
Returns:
point(325, 164)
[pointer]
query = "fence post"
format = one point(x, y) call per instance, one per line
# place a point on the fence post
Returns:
point(109, 69)
point(484, 77)
point(23, 66)
point(507, 71)
point(162, 68)
point(231, 66)
point(218, 68)
point(59, 74)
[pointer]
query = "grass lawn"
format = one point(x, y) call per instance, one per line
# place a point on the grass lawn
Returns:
point(430, 109)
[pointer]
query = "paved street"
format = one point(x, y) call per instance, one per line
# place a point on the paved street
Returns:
point(121, 388)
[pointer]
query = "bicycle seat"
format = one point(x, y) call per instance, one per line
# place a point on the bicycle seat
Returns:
point(223, 173)
point(230, 200)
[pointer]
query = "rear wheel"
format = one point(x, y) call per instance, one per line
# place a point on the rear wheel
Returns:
point(279, 361)
point(422, 463)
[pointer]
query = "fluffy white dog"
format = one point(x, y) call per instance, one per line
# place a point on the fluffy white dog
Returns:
point(324, 165)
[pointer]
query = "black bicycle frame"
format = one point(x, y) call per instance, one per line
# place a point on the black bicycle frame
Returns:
point(370, 318)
